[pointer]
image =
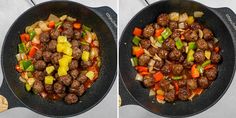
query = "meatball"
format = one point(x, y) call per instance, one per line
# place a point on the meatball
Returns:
point(75, 43)
point(73, 65)
point(152, 50)
point(54, 33)
point(175, 33)
point(166, 85)
point(40, 65)
point(183, 93)
point(148, 81)
point(175, 55)
point(202, 44)
point(38, 55)
point(199, 56)
point(170, 96)
point(207, 34)
point(52, 46)
point(71, 98)
point(177, 69)
point(82, 78)
point(81, 90)
point(192, 83)
point(77, 34)
point(148, 31)
point(85, 48)
point(182, 83)
point(173, 25)
point(75, 87)
point(74, 73)
point(66, 79)
point(211, 73)
point(76, 53)
point(67, 25)
point(191, 35)
point(55, 57)
point(169, 44)
point(195, 26)
point(187, 64)
point(68, 33)
point(159, 64)
point(162, 53)
point(143, 60)
point(215, 57)
point(86, 64)
point(37, 87)
point(47, 56)
point(145, 43)
point(203, 82)
point(44, 37)
point(39, 75)
point(48, 88)
point(166, 69)
point(163, 19)
point(59, 88)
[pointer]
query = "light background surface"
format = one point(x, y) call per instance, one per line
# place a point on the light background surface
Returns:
point(225, 107)
point(9, 11)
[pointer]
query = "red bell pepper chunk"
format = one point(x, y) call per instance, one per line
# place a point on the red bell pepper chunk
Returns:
point(137, 51)
point(159, 31)
point(25, 37)
point(137, 31)
point(77, 25)
point(32, 51)
point(216, 49)
point(208, 66)
point(194, 71)
point(51, 24)
point(144, 73)
point(141, 69)
point(158, 76)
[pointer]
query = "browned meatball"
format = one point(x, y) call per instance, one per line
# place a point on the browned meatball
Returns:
point(183, 93)
point(191, 35)
point(44, 37)
point(175, 55)
point(40, 65)
point(192, 83)
point(166, 69)
point(152, 50)
point(202, 44)
point(148, 31)
point(68, 33)
point(163, 19)
point(38, 55)
point(82, 78)
point(162, 53)
point(67, 25)
point(159, 64)
point(143, 60)
point(54, 33)
point(182, 83)
point(177, 69)
point(59, 88)
point(47, 56)
point(173, 25)
point(85, 47)
point(74, 73)
point(166, 85)
point(55, 57)
point(145, 43)
point(81, 90)
point(169, 44)
point(203, 82)
point(66, 79)
point(77, 34)
point(73, 65)
point(187, 64)
point(207, 34)
point(52, 46)
point(76, 53)
point(211, 73)
point(195, 26)
point(39, 75)
point(148, 81)
point(175, 33)
point(75, 43)
point(86, 64)
point(199, 56)
point(215, 57)
point(75, 87)
point(37, 87)
point(170, 96)
point(48, 88)
point(71, 98)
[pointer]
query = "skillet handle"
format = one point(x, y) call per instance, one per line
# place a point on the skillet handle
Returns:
point(7, 93)
point(110, 17)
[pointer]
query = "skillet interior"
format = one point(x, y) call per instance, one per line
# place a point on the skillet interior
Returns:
point(212, 94)
point(107, 49)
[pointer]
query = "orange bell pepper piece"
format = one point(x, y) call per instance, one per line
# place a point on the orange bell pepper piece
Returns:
point(51, 24)
point(158, 76)
point(137, 51)
point(159, 31)
point(77, 25)
point(137, 31)
point(194, 71)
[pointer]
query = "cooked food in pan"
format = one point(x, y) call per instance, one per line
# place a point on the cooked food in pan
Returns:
point(58, 58)
point(175, 56)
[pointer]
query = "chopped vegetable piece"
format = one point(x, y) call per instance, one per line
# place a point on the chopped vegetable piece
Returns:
point(158, 76)
point(160, 97)
point(158, 32)
point(194, 71)
point(51, 24)
point(141, 68)
point(31, 81)
point(207, 62)
point(32, 51)
point(179, 44)
point(200, 69)
point(48, 80)
point(60, 47)
point(25, 64)
point(137, 51)
point(30, 68)
point(22, 48)
point(134, 61)
point(160, 39)
point(160, 92)
point(144, 73)
point(137, 31)
point(58, 24)
point(177, 77)
point(27, 87)
point(32, 34)
point(208, 54)
point(190, 57)
point(62, 71)
point(61, 39)
point(63, 62)
point(85, 56)
point(84, 43)
point(192, 45)
point(25, 37)
point(139, 77)
point(18, 68)
point(77, 25)
point(208, 66)
point(198, 91)
point(90, 75)
point(166, 33)
point(198, 14)
point(86, 28)
point(176, 87)
point(216, 49)
point(67, 51)
point(50, 69)
point(136, 40)
point(190, 20)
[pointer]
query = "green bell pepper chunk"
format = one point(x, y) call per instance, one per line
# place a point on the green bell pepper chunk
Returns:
point(32, 34)
point(177, 77)
point(190, 57)
point(29, 74)
point(24, 64)
point(207, 62)
point(136, 40)
point(90, 75)
point(200, 68)
point(30, 68)
point(179, 43)
point(27, 87)
point(192, 45)
point(58, 24)
point(134, 61)
point(83, 33)
point(166, 33)
point(160, 39)
point(22, 48)
point(84, 43)
point(86, 28)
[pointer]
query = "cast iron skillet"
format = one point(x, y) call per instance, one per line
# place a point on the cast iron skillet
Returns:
point(220, 20)
point(103, 22)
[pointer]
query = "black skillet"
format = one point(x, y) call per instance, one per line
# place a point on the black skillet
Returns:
point(222, 23)
point(102, 20)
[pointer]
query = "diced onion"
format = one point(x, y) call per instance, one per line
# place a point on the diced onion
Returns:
point(200, 33)
point(139, 77)
point(71, 19)
point(53, 17)
point(22, 79)
point(151, 62)
point(96, 43)
point(88, 37)
point(38, 31)
point(156, 57)
point(18, 57)
point(62, 18)
point(94, 53)
point(36, 40)
point(181, 25)
point(174, 16)
point(147, 53)
point(183, 17)
point(43, 26)
point(215, 40)
point(198, 14)
point(152, 93)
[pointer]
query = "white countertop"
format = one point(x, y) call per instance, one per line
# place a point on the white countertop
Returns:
point(224, 108)
point(9, 11)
